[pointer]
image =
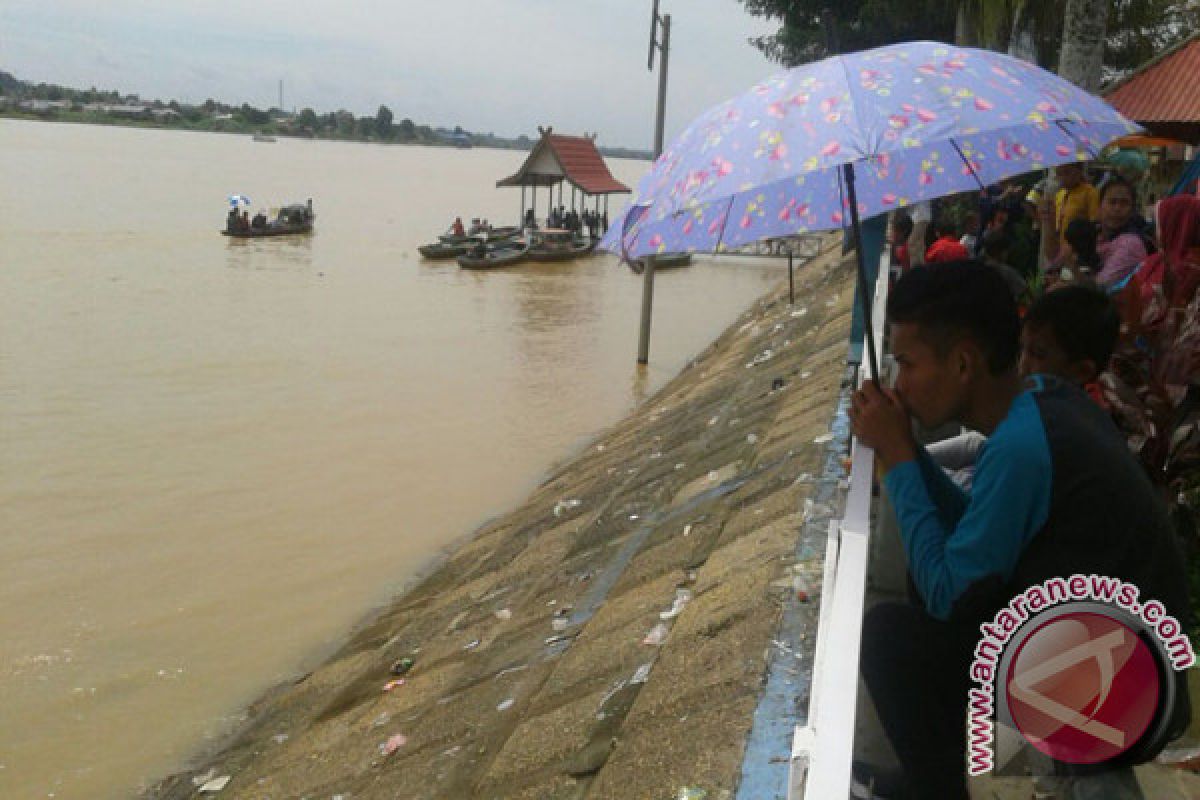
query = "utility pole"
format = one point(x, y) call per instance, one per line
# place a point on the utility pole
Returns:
point(663, 44)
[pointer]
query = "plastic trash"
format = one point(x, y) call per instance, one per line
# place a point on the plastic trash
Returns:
point(205, 777)
point(387, 687)
point(471, 645)
point(682, 597)
point(216, 784)
point(801, 588)
point(687, 529)
point(394, 743)
point(641, 675)
point(823, 438)
point(506, 704)
point(559, 624)
point(565, 505)
point(657, 635)
point(761, 358)
point(691, 793)
point(402, 666)
point(778, 384)
point(752, 438)
point(504, 614)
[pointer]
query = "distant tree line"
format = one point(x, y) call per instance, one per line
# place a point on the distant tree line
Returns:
point(51, 101)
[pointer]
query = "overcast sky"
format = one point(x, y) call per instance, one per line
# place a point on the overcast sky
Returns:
point(503, 66)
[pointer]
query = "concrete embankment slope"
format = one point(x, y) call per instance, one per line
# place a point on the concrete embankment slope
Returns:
point(543, 664)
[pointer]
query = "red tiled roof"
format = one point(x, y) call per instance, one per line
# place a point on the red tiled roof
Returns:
point(584, 166)
point(579, 160)
point(1163, 94)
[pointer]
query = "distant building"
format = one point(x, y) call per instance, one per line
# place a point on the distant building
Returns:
point(126, 110)
point(456, 138)
point(43, 106)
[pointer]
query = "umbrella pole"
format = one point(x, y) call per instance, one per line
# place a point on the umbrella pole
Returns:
point(791, 281)
point(869, 328)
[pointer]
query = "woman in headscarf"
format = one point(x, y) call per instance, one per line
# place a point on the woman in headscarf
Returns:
point(1176, 265)
point(1121, 245)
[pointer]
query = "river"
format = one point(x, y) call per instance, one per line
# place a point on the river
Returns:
point(216, 456)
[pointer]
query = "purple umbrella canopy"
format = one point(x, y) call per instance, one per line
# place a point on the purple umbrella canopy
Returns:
point(917, 120)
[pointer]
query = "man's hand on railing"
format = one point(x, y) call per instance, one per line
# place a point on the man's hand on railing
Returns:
point(880, 421)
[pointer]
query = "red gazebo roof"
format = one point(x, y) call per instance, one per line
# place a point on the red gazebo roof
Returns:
point(574, 159)
point(1162, 94)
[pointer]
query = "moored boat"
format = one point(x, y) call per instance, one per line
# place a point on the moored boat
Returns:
point(441, 250)
point(290, 220)
point(504, 254)
point(493, 235)
point(553, 244)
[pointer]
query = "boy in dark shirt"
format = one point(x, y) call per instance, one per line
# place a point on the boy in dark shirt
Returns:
point(1056, 493)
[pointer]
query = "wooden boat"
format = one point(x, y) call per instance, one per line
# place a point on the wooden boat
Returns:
point(494, 235)
point(664, 261)
point(506, 232)
point(290, 220)
point(505, 254)
point(440, 250)
point(553, 244)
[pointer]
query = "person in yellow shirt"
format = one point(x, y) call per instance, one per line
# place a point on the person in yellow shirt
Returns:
point(1077, 199)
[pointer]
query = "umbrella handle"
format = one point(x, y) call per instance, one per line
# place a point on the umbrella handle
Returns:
point(863, 285)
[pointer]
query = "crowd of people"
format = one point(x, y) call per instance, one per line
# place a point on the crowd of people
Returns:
point(293, 218)
point(560, 218)
point(1062, 333)
point(595, 223)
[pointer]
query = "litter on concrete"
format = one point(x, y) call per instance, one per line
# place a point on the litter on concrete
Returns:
point(565, 505)
point(394, 743)
point(216, 784)
point(657, 635)
point(682, 597)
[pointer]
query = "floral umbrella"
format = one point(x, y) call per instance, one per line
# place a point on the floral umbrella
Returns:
point(820, 145)
point(915, 121)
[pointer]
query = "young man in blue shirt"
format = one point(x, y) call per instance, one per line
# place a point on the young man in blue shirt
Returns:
point(1056, 492)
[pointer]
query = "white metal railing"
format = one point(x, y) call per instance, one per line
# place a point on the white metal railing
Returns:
point(822, 749)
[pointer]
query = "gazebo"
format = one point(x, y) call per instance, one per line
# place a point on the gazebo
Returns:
point(1162, 95)
point(557, 159)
